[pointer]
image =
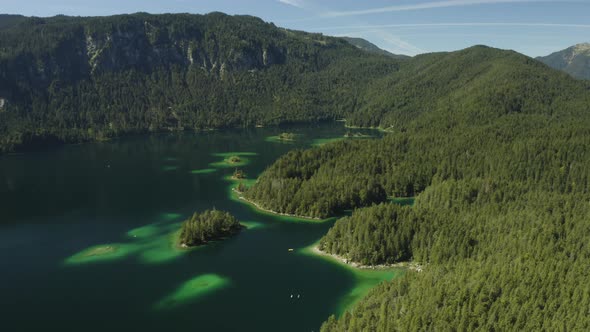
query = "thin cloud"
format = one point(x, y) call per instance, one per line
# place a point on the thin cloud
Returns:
point(400, 45)
point(389, 41)
point(294, 3)
point(467, 24)
point(397, 45)
point(427, 5)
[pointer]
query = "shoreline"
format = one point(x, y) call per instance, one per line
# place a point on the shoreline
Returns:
point(184, 246)
point(366, 277)
point(257, 206)
point(386, 130)
point(278, 139)
point(315, 249)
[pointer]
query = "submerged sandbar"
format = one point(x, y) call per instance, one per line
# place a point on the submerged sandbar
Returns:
point(193, 289)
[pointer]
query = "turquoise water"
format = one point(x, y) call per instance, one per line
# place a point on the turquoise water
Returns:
point(87, 240)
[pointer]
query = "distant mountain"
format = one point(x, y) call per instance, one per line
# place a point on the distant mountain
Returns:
point(75, 79)
point(365, 45)
point(574, 60)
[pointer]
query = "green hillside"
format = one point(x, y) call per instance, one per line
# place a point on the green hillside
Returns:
point(66, 79)
point(473, 85)
point(436, 98)
point(493, 145)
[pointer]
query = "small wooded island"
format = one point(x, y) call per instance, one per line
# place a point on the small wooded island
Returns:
point(239, 174)
point(234, 159)
point(206, 226)
point(287, 137)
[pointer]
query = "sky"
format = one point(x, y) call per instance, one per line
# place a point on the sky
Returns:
point(532, 27)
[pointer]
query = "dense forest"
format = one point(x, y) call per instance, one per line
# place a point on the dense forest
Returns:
point(442, 114)
point(493, 144)
point(380, 234)
point(70, 79)
point(208, 225)
point(495, 260)
point(500, 222)
point(472, 86)
point(501, 216)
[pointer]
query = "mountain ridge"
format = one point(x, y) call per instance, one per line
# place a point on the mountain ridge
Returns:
point(574, 60)
point(76, 79)
point(366, 45)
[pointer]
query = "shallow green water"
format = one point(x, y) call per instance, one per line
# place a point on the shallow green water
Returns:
point(86, 240)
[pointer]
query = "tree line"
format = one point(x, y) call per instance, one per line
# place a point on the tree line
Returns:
point(208, 225)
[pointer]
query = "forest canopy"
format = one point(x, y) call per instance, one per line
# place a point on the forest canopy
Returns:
point(493, 145)
point(208, 225)
point(72, 79)
point(500, 218)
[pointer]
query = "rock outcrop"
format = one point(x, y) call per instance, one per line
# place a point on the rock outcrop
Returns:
point(574, 60)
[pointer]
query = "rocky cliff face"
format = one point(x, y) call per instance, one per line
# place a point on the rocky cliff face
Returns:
point(82, 48)
point(574, 60)
point(75, 79)
point(149, 46)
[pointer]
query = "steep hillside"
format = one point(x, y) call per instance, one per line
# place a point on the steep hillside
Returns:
point(473, 85)
point(66, 79)
point(451, 92)
point(493, 146)
point(574, 60)
point(70, 79)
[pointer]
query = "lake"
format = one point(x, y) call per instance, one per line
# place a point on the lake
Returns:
point(86, 236)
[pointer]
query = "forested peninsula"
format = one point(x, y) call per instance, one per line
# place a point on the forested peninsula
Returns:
point(496, 157)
